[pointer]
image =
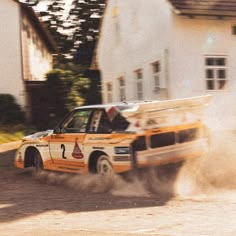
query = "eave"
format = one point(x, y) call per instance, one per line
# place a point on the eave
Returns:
point(43, 32)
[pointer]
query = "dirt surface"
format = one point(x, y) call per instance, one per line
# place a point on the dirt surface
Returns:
point(200, 200)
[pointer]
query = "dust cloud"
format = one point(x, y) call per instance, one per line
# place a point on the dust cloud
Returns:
point(211, 173)
point(216, 172)
point(141, 183)
point(94, 183)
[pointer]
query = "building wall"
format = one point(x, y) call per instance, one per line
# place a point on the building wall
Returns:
point(10, 48)
point(24, 55)
point(193, 39)
point(37, 60)
point(133, 36)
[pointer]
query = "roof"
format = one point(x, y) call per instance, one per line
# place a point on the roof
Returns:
point(218, 8)
point(119, 105)
point(43, 32)
point(128, 108)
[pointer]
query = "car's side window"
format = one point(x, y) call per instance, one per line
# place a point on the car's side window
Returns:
point(100, 122)
point(77, 123)
point(119, 123)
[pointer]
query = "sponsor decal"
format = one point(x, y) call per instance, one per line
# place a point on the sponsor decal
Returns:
point(41, 145)
point(57, 136)
point(121, 158)
point(100, 148)
point(99, 138)
point(77, 154)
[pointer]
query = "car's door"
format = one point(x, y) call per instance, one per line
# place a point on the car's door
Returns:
point(66, 146)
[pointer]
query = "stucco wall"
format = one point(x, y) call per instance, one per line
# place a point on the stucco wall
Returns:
point(193, 39)
point(133, 36)
point(37, 60)
point(149, 32)
point(10, 59)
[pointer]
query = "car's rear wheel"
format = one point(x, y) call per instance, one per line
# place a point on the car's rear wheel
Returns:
point(104, 166)
point(38, 163)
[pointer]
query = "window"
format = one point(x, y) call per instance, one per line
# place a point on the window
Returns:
point(122, 88)
point(100, 122)
point(77, 122)
point(109, 92)
point(139, 83)
point(216, 72)
point(156, 76)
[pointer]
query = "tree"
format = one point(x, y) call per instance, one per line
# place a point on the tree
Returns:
point(76, 36)
point(10, 111)
point(85, 18)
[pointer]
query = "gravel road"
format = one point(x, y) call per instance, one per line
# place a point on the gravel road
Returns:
point(200, 200)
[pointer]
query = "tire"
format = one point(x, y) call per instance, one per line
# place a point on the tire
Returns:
point(38, 163)
point(103, 166)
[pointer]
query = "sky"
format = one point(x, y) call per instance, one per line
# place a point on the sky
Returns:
point(42, 6)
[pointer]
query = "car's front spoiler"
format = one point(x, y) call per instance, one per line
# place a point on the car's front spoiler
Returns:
point(170, 154)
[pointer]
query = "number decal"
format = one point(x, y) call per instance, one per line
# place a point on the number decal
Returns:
point(63, 151)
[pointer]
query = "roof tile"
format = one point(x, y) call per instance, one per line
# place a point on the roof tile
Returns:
point(205, 7)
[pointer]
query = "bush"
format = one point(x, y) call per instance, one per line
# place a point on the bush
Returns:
point(62, 95)
point(10, 111)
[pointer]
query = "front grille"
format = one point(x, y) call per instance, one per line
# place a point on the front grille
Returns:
point(188, 135)
point(162, 140)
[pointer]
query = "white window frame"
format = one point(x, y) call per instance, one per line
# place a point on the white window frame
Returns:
point(122, 89)
point(156, 73)
point(139, 83)
point(216, 72)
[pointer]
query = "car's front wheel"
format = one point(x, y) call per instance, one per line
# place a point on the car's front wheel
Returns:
point(104, 166)
point(38, 163)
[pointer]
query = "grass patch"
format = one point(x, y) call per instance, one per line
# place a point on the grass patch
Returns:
point(14, 133)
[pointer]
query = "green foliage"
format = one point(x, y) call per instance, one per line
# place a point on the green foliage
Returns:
point(10, 111)
point(9, 133)
point(62, 93)
point(76, 36)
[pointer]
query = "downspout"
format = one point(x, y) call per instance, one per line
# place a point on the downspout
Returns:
point(167, 79)
point(26, 107)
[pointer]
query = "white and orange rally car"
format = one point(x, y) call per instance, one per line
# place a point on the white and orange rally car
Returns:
point(119, 137)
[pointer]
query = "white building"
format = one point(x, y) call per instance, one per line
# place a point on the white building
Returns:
point(26, 52)
point(160, 49)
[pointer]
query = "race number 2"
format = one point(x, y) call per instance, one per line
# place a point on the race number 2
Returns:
point(63, 148)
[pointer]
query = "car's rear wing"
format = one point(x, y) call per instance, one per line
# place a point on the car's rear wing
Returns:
point(163, 113)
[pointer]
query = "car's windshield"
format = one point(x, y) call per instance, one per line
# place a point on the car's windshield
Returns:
point(77, 122)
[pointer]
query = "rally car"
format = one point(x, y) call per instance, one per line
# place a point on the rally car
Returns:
point(119, 137)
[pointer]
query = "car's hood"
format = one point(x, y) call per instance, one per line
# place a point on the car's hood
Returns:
point(38, 135)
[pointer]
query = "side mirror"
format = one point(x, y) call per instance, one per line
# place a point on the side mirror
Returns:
point(57, 130)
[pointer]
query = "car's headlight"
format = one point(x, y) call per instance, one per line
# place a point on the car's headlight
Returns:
point(121, 150)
